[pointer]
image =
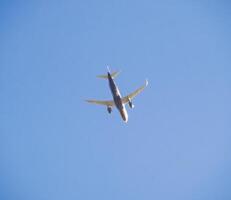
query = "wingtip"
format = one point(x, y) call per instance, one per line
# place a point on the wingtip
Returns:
point(146, 82)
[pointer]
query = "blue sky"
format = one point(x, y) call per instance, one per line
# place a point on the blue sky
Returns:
point(176, 144)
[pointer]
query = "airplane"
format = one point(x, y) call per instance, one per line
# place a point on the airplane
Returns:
point(118, 101)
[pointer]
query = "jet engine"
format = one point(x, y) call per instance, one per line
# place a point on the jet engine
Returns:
point(131, 105)
point(109, 109)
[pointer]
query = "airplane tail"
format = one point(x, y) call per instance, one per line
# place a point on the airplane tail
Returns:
point(113, 75)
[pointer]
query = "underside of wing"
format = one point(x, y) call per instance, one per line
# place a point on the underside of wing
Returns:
point(103, 103)
point(135, 93)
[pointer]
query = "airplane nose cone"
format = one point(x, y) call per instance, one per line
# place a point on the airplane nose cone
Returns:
point(125, 120)
point(124, 115)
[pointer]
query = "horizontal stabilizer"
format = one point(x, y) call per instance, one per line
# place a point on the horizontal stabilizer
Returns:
point(113, 75)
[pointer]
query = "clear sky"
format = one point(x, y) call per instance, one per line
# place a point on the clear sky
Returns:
point(176, 144)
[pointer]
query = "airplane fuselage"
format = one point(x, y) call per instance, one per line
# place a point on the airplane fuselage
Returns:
point(117, 98)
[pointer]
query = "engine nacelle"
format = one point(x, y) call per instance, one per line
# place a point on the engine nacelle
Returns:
point(109, 109)
point(131, 105)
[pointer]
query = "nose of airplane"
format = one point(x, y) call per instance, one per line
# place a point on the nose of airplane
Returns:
point(125, 120)
point(124, 115)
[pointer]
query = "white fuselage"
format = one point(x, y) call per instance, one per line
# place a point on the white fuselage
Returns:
point(117, 98)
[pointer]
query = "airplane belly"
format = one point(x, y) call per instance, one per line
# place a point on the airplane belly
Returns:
point(124, 114)
point(121, 108)
point(118, 102)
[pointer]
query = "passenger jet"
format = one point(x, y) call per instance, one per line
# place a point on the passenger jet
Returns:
point(118, 101)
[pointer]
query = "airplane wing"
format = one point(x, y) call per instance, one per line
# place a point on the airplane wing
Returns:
point(103, 103)
point(135, 93)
